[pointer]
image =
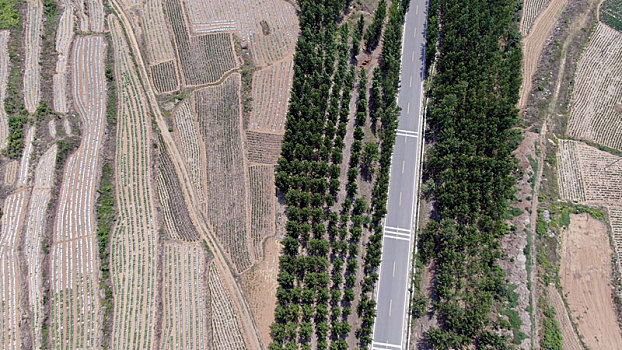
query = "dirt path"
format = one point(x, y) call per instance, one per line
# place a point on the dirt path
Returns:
point(534, 43)
point(250, 328)
point(585, 274)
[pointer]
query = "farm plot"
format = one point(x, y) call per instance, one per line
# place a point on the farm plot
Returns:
point(4, 77)
point(10, 172)
point(175, 217)
point(32, 45)
point(39, 199)
point(64, 37)
point(164, 76)
point(263, 201)
point(585, 274)
point(227, 332)
point(271, 27)
point(220, 121)
point(185, 298)
point(95, 9)
point(615, 221)
point(157, 39)
point(588, 174)
point(204, 59)
point(531, 10)
point(192, 147)
point(74, 259)
point(11, 224)
point(22, 175)
point(598, 89)
point(134, 242)
point(263, 148)
point(271, 87)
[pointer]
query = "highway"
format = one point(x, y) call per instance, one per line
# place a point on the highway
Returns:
point(390, 329)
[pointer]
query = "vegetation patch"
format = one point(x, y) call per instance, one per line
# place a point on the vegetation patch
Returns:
point(611, 13)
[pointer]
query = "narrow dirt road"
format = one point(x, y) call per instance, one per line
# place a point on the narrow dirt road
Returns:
point(250, 328)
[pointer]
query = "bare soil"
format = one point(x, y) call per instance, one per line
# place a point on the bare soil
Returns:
point(259, 286)
point(585, 273)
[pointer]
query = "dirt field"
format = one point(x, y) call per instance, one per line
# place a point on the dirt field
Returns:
point(585, 274)
point(534, 43)
point(259, 284)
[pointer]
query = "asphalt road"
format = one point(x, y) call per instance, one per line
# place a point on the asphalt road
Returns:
point(390, 330)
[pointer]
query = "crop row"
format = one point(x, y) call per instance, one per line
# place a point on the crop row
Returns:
point(164, 76)
point(74, 318)
point(598, 88)
point(262, 192)
point(39, 200)
point(569, 177)
point(531, 11)
point(204, 59)
point(95, 9)
point(74, 261)
point(64, 37)
point(133, 246)
point(271, 27)
point(157, 39)
point(10, 172)
point(185, 321)
point(263, 148)
point(4, 77)
point(226, 333)
point(32, 44)
point(192, 147)
point(175, 217)
point(14, 209)
point(271, 87)
point(220, 123)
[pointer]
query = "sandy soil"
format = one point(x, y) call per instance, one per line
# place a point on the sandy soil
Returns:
point(585, 273)
point(570, 340)
point(259, 285)
point(533, 44)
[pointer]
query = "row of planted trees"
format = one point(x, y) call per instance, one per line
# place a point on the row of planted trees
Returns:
point(471, 114)
point(328, 224)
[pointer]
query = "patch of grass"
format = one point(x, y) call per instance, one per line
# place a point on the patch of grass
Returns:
point(611, 13)
point(552, 338)
point(565, 219)
point(513, 212)
point(542, 227)
point(106, 215)
point(9, 15)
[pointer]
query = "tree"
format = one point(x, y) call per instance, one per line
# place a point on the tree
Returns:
point(372, 35)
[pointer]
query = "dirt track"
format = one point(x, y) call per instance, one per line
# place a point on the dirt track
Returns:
point(585, 274)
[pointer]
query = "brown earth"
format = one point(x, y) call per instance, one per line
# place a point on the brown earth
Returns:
point(259, 285)
point(570, 340)
point(534, 43)
point(585, 274)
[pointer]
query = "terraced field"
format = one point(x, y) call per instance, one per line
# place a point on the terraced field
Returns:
point(185, 297)
point(4, 76)
point(74, 263)
point(224, 321)
point(220, 123)
point(270, 91)
point(192, 147)
point(271, 26)
point(598, 90)
point(134, 242)
point(64, 37)
point(32, 45)
point(203, 59)
point(11, 280)
point(35, 228)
